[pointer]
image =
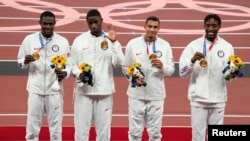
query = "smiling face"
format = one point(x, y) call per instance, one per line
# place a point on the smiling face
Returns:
point(47, 24)
point(151, 27)
point(212, 28)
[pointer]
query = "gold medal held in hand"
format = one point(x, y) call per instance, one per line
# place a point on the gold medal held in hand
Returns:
point(104, 44)
point(203, 62)
point(152, 56)
point(36, 55)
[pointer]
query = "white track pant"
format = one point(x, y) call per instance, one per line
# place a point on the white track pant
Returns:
point(201, 117)
point(38, 105)
point(97, 108)
point(148, 112)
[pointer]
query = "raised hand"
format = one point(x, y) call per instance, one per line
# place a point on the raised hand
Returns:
point(112, 33)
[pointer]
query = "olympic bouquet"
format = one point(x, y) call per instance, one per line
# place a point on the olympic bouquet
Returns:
point(58, 61)
point(86, 70)
point(136, 73)
point(232, 70)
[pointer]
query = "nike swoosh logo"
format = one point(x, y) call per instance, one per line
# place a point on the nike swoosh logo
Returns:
point(37, 49)
point(138, 54)
point(57, 108)
point(158, 108)
point(84, 48)
point(220, 111)
point(107, 109)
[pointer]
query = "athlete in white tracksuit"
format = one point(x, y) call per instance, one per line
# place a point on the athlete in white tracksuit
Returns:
point(146, 104)
point(207, 90)
point(95, 103)
point(45, 93)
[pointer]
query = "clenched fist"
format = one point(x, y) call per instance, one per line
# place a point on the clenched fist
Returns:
point(28, 59)
point(60, 74)
point(197, 56)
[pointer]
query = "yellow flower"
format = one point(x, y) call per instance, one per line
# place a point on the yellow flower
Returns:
point(131, 69)
point(63, 59)
point(59, 61)
point(236, 60)
point(53, 60)
point(84, 67)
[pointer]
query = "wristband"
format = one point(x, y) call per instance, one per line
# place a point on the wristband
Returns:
point(112, 40)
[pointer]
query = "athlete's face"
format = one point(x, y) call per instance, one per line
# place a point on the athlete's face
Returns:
point(211, 28)
point(151, 28)
point(95, 25)
point(47, 24)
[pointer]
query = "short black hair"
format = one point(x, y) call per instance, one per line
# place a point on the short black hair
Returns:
point(93, 12)
point(47, 14)
point(152, 18)
point(213, 16)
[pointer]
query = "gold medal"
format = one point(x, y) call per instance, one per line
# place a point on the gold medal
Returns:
point(152, 56)
point(203, 62)
point(36, 55)
point(104, 44)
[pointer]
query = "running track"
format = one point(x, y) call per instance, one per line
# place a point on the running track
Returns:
point(181, 22)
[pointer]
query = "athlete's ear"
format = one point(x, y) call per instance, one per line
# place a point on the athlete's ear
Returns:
point(219, 27)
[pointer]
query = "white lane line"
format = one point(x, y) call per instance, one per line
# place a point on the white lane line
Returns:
point(125, 20)
point(125, 115)
point(173, 47)
point(131, 33)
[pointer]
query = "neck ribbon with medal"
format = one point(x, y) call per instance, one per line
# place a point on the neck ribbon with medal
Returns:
point(36, 55)
point(155, 54)
point(203, 61)
point(104, 43)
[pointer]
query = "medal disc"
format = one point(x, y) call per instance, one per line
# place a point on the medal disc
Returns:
point(152, 56)
point(203, 63)
point(36, 55)
point(104, 44)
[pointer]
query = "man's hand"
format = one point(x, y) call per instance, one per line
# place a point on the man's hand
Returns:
point(82, 77)
point(60, 74)
point(28, 59)
point(234, 74)
point(138, 82)
point(112, 33)
point(197, 56)
point(157, 63)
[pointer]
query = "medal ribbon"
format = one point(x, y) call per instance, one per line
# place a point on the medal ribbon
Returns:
point(153, 49)
point(41, 41)
point(103, 35)
point(210, 47)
